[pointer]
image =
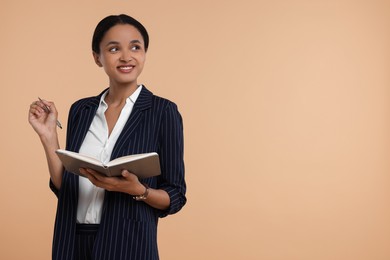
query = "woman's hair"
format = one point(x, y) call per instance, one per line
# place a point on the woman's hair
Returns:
point(112, 20)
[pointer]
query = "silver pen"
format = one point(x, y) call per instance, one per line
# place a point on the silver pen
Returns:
point(47, 110)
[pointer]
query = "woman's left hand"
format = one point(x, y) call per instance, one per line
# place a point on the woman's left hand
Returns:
point(127, 183)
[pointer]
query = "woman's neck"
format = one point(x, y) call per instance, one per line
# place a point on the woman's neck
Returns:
point(117, 94)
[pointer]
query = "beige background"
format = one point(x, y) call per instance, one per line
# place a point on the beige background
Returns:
point(287, 117)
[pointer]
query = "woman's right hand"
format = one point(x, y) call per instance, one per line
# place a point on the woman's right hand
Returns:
point(43, 121)
point(42, 116)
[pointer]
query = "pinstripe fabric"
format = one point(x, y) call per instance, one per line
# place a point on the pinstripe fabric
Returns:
point(128, 228)
point(85, 239)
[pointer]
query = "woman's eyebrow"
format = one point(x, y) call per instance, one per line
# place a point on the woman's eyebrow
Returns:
point(135, 41)
point(131, 42)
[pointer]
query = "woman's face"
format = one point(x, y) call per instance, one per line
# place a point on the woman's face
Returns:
point(122, 54)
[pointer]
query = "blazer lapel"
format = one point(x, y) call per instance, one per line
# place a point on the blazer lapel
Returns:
point(85, 113)
point(144, 101)
point(87, 110)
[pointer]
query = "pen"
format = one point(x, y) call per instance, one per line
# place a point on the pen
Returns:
point(47, 110)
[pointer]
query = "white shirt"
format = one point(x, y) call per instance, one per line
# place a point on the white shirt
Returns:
point(99, 145)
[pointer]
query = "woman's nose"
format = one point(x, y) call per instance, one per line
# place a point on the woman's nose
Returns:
point(125, 57)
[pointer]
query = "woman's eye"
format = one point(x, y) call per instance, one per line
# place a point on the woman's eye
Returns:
point(113, 49)
point(135, 47)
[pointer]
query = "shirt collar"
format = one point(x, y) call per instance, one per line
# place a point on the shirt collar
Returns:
point(132, 98)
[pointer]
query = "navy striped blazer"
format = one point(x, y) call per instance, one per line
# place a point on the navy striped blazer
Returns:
point(128, 228)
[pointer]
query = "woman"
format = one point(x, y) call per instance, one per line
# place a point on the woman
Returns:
point(114, 217)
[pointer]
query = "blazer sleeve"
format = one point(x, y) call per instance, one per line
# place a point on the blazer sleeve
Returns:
point(172, 159)
point(53, 188)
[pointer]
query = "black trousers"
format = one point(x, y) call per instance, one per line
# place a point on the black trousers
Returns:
point(85, 239)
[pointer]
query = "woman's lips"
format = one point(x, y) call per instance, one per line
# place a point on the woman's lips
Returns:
point(125, 69)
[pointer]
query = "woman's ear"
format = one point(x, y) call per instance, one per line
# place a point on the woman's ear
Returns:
point(96, 57)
